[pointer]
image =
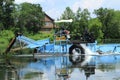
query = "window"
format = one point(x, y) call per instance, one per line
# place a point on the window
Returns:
point(47, 23)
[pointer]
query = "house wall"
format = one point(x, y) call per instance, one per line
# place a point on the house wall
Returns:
point(49, 24)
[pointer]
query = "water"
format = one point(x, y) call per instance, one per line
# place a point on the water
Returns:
point(60, 68)
point(87, 52)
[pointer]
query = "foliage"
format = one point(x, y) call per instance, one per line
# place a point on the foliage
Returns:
point(110, 24)
point(105, 26)
point(5, 37)
point(29, 17)
point(80, 20)
point(6, 9)
point(95, 27)
point(42, 35)
point(115, 25)
point(68, 14)
point(7, 34)
point(85, 16)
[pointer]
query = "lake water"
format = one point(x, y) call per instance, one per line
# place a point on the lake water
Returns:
point(60, 68)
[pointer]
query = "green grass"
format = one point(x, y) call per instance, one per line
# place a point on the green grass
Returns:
point(3, 44)
point(7, 35)
point(42, 35)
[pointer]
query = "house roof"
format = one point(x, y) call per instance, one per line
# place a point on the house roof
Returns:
point(49, 17)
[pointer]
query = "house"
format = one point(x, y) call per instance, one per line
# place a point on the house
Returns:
point(49, 24)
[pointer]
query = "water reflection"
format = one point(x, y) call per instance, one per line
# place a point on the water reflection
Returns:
point(60, 68)
point(8, 72)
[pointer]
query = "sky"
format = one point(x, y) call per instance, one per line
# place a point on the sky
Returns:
point(55, 8)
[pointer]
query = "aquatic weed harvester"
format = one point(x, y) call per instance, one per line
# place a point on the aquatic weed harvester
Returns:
point(79, 50)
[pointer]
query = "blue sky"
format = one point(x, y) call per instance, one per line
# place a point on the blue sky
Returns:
point(54, 8)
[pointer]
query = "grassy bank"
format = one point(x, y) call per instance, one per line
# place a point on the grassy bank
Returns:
point(7, 35)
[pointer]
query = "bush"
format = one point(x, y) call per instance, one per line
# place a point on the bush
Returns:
point(41, 35)
point(5, 37)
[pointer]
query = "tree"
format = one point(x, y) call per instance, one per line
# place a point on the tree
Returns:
point(110, 22)
point(80, 20)
point(77, 21)
point(6, 9)
point(95, 27)
point(114, 26)
point(84, 18)
point(68, 14)
point(1, 15)
point(30, 17)
point(105, 16)
point(105, 26)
